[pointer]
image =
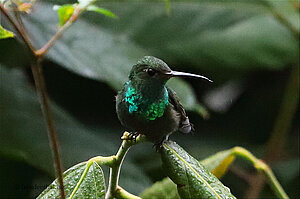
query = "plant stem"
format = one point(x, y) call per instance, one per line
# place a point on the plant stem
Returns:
point(43, 98)
point(122, 194)
point(40, 87)
point(42, 51)
point(281, 19)
point(114, 191)
point(21, 32)
point(285, 116)
point(77, 11)
point(114, 162)
point(263, 168)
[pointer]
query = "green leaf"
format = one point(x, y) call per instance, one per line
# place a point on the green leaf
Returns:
point(64, 13)
point(163, 189)
point(23, 133)
point(101, 55)
point(103, 11)
point(187, 96)
point(192, 178)
point(219, 162)
point(5, 33)
point(93, 185)
point(217, 35)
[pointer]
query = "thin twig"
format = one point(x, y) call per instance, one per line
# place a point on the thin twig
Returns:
point(115, 163)
point(123, 194)
point(41, 90)
point(284, 21)
point(77, 11)
point(18, 29)
point(42, 51)
point(263, 168)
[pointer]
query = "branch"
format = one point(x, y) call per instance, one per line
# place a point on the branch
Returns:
point(21, 32)
point(122, 194)
point(263, 168)
point(42, 51)
point(40, 88)
point(281, 19)
point(77, 11)
point(114, 191)
point(114, 162)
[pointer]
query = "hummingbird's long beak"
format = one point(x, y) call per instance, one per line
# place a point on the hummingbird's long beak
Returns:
point(183, 74)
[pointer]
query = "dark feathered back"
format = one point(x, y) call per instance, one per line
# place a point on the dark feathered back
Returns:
point(184, 125)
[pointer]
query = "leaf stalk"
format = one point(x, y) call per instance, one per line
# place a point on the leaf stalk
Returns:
point(263, 168)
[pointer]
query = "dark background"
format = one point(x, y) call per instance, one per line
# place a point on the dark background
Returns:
point(241, 45)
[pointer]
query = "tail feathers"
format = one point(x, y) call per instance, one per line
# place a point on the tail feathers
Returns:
point(186, 126)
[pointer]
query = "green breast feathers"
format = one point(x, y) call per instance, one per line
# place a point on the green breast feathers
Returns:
point(147, 108)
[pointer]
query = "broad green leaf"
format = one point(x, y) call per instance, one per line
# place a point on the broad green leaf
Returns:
point(217, 164)
point(192, 178)
point(64, 13)
point(187, 96)
point(93, 185)
point(103, 11)
point(209, 35)
point(5, 33)
point(23, 133)
point(101, 54)
point(163, 189)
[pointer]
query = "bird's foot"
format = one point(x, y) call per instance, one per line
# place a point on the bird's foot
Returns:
point(132, 136)
point(159, 145)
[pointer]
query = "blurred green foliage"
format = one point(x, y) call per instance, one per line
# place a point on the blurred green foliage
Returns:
point(241, 45)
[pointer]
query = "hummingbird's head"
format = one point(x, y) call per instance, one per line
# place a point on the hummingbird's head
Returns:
point(154, 71)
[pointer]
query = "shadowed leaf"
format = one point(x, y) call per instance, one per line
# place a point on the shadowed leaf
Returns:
point(23, 124)
point(163, 189)
point(102, 55)
point(93, 185)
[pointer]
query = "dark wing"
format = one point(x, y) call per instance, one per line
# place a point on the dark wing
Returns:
point(184, 125)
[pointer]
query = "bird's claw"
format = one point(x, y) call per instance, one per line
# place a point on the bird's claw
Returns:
point(132, 136)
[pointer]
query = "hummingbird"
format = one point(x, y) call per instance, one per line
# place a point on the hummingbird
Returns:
point(145, 105)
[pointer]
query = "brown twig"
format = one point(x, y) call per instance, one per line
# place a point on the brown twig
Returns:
point(41, 90)
point(77, 11)
point(18, 29)
point(42, 51)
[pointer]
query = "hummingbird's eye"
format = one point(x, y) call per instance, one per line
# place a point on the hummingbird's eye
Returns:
point(150, 72)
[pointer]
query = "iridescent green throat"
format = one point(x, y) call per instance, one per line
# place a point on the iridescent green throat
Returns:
point(145, 107)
